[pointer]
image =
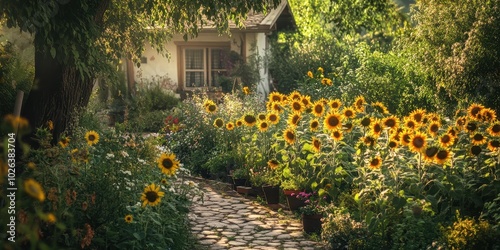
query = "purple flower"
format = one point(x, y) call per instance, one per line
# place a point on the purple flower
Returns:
point(307, 201)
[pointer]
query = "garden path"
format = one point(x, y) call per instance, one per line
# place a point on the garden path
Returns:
point(227, 220)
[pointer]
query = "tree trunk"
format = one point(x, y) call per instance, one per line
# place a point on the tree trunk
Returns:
point(58, 94)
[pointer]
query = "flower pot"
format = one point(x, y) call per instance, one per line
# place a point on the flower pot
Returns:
point(293, 202)
point(257, 191)
point(239, 182)
point(243, 190)
point(312, 223)
point(272, 194)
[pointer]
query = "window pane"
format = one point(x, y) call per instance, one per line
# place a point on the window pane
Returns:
point(194, 79)
point(219, 56)
point(194, 58)
point(215, 77)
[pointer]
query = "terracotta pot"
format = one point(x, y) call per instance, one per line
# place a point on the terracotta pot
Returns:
point(272, 194)
point(293, 202)
point(312, 223)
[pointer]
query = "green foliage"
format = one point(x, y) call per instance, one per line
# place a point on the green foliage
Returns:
point(468, 233)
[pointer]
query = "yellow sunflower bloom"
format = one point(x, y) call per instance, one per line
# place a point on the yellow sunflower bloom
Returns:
point(273, 164)
point(494, 129)
point(418, 115)
point(318, 109)
point(375, 162)
point(368, 140)
point(276, 107)
point(334, 104)
point(410, 124)
point(380, 107)
point(310, 74)
point(297, 106)
point(488, 115)
point(263, 126)
point(275, 97)
point(391, 122)
point(151, 195)
point(246, 90)
point(429, 153)
point(306, 100)
point(294, 119)
point(393, 144)
point(210, 106)
point(289, 135)
point(333, 121)
point(433, 128)
point(230, 126)
point(442, 156)
point(249, 120)
point(366, 121)
point(273, 118)
point(320, 70)
point(478, 139)
point(129, 218)
point(406, 137)
point(326, 81)
point(460, 122)
point(474, 110)
point(218, 123)
point(316, 144)
point(64, 142)
point(261, 117)
point(376, 128)
point(418, 142)
point(168, 164)
point(314, 125)
point(295, 96)
point(34, 189)
point(359, 104)
point(471, 126)
point(493, 145)
point(348, 127)
point(92, 137)
point(446, 140)
point(337, 135)
point(349, 113)
point(239, 123)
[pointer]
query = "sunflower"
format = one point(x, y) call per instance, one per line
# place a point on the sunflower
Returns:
point(366, 121)
point(494, 129)
point(151, 195)
point(478, 139)
point(129, 218)
point(446, 140)
point(474, 110)
point(263, 126)
point(218, 123)
point(320, 70)
point(475, 150)
point(337, 135)
point(393, 144)
point(442, 156)
point(493, 145)
point(433, 128)
point(50, 218)
point(376, 128)
point(470, 126)
point(273, 118)
point(210, 106)
point(359, 103)
point(418, 142)
point(333, 121)
point(368, 140)
point(314, 125)
point(295, 95)
point(334, 104)
point(306, 100)
point(64, 142)
point(409, 123)
point(31, 165)
point(294, 119)
point(391, 122)
point(460, 122)
point(326, 81)
point(406, 137)
point(488, 115)
point(297, 106)
point(168, 164)
point(349, 112)
point(229, 126)
point(239, 123)
point(289, 135)
point(164, 181)
point(276, 107)
point(375, 162)
point(275, 97)
point(34, 189)
point(318, 108)
point(249, 120)
point(429, 153)
point(261, 117)
point(273, 164)
point(380, 107)
point(310, 74)
point(246, 90)
point(348, 127)
point(452, 131)
point(418, 115)
point(50, 125)
point(316, 144)
point(92, 137)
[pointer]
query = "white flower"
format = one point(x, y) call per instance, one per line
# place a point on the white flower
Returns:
point(124, 154)
point(126, 172)
point(110, 155)
point(141, 161)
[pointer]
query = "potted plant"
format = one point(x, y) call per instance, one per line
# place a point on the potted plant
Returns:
point(291, 188)
point(311, 212)
point(240, 177)
point(271, 180)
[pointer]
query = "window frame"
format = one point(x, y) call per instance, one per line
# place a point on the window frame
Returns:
point(207, 64)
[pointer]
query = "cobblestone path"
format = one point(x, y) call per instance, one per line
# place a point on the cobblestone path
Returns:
point(226, 220)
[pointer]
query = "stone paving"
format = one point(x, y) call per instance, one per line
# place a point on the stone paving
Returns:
point(227, 220)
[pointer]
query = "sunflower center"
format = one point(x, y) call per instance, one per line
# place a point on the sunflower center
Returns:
point(442, 155)
point(377, 128)
point(211, 108)
point(475, 110)
point(91, 137)
point(296, 106)
point(366, 122)
point(393, 144)
point(290, 135)
point(333, 121)
point(152, 196)
point(390, 123)
point(410, 124)
point(471, 126)
point(431, 152)
point(495, 144)
point(335, 105)
point(478, 137)
point(374, 162)
point(434, 128)
point(475, 150)
point(418, 117)
point(317, 144)
point(318, 109)
point(336, 134)
point(314, 124)
point(348, 113)
point(249, 119)
point(167, 163)
point(418, 142)
point(295, 119)
point(445, 139)
point(496, 128)
point(263, 125)
point(272, 118)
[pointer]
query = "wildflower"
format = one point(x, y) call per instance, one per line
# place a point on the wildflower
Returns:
point(273, 118)
point(168, 164)
point(273, 164)
point(314, 125)
point(34, 189)
point(417, 142)
point(316, 144)
point(349, 112)
point(310, 74)
point(230, 126)
point(249, 120)
point(375, 162)
point(318, 109)
point(92, 137)
point(246, 90)
point(129, 218)
point(333, 121)
point(218, 123)
point(289, 135)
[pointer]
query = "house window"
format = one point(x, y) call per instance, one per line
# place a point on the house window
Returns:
point(203, 66)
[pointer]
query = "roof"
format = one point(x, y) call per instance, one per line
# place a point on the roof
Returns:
point(279, 18)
